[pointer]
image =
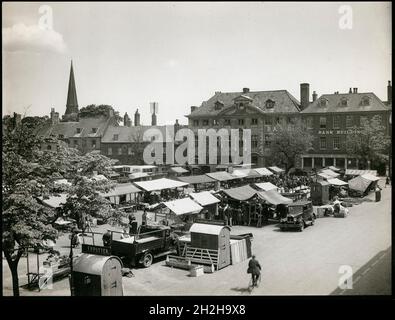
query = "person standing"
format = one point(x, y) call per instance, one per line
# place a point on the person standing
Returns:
point(144, 217)
point(254, 268)
point(132, 224)
point(387, 182)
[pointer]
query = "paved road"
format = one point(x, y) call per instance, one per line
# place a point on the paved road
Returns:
point(294, 263)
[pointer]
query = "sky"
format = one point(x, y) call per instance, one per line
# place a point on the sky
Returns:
point(179, 54)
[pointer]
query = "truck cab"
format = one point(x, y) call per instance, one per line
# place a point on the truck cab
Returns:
point(297, 215)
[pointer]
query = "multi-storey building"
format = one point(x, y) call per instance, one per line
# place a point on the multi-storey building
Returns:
point(259, 111)
point(331, 117)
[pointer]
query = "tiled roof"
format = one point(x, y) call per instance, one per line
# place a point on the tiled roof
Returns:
point(354, 103)
point(69, 129)
point(284, 102)
point(130, 134)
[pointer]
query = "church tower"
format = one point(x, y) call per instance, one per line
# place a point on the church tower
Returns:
point(71, 113)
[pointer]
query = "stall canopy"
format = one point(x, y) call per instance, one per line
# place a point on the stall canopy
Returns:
point(331, 173)
point(337, 182)
point(359, 184)
point(178, 170)
point(263, 171)
point(220, 176)
point(273, 197)
point(245, 173)
point(333, 168)
point(370, 177)
point(183, 206)
point(241, 193)
point(196, 179)
point(204, 198)
point(55, 201)
point(266, 186)
point(325, 176)
point(121, 189)
point(276, 169)
point(354, 172)
point(160, 184)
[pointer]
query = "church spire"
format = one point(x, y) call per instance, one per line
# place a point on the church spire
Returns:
point(72, 104)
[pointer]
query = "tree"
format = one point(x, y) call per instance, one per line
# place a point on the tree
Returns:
point(93, 110)
point(290, 140)
point(34, 122)
point(28, 175)
point(369, 142)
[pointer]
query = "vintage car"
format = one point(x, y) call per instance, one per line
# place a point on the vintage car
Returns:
point(296, 215)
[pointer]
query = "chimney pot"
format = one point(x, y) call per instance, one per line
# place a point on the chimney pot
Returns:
point(246, 90)
point(389, 92)
point(314, 96)
point(355, 90)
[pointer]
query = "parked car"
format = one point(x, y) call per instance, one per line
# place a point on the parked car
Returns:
point(297, 215)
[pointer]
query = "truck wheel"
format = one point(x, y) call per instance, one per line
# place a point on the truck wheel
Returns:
point(147, 260)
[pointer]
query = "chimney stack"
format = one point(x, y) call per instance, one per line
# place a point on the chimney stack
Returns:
point(350, 91)
point(355, 90)
point(126, 120)
point(193, 108)
point(153, 121)
point(314, 96)
point(54, 116)
point(389, 92)
point(176, 126)
point(137, 118)
point(246, 90)
point(304, 95)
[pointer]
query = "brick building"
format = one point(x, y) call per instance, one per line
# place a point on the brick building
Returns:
point(331, 117)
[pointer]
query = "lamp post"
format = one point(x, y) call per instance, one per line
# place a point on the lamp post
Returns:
point(71, 265)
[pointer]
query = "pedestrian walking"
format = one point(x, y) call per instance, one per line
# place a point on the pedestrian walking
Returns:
point(254, 268)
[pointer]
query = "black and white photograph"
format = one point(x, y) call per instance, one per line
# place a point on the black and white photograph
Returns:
point(175, 149)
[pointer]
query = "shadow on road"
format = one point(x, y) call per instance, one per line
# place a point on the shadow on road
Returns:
point(373, 278)
point(242, 290)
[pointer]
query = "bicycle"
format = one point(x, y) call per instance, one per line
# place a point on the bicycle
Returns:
point(258, 281)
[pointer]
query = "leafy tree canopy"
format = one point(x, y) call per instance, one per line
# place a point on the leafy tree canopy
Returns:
point(93, 110)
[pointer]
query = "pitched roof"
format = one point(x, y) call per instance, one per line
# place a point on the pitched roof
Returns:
point(284, 102)
point(69, 129)
point(354, 103)
point(131, 134)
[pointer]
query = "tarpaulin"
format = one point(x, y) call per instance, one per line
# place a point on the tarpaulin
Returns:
point(204, 198)
point(266, 186)
point(273, 197)
point(221, 176)
point(183, 206)
point(337, 182)
point(196, 179)
point(160, 184)
point(241, 193)
point(359, 184)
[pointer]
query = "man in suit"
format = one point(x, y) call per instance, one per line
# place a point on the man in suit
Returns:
point(255, 269)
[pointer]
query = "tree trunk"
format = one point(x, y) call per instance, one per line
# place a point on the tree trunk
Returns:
point(13, 265)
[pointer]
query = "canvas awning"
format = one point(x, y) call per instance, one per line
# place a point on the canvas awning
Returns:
point(221, 176)
point(273, 197)
point(359, 184)
point(263, 171)
point(55, 201)
point(370, 177)
point(337, 182)
point(196, 179)
point(325, 176)
point(138, 175)
point(333, 168)
point(178, 170)
point(160, 184)
point(354, 172)
point(276, 169)
point(241, 193)
point(121, 189)
point(204, 198)
point(266, 186)
point(183, 206)
point(331, 173)
point(245, 173)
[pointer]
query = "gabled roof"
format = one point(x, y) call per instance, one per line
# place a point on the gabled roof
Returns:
point(69, 129)
point(354, 103)
point(285, 102)
point(131, 134)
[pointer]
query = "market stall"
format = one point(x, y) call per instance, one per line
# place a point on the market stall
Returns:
point(266, 186)
point(122, 193)
point(263, 171)
point(276, 169)
point(362, 184)
point(198, 181)
point(208, 202)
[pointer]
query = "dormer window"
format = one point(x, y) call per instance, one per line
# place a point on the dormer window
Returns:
point(218, 105)
point(241, 105)
point(94, 130)
point(365, 101)
point(78, 130)
point(344, 102)
point(269, 104)
point(115, 137)
point(323, 103)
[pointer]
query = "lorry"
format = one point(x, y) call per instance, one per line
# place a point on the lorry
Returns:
point(296, 215)
point(149, 243)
